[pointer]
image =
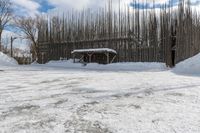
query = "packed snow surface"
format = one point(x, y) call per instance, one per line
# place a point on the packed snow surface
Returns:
point(59, 98)
point(189, 66)
point(62, 97)
point(110, 67)
point(6, 60)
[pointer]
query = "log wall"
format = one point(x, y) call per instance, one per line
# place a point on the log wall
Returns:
point(138, 35)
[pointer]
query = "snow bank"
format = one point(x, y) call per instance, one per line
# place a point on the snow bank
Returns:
point(115, 66)
point(6, 60)
point(189, 66)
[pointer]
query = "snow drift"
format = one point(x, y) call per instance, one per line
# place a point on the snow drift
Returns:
point(131, 66)
point(189, 66)
point(6, 60)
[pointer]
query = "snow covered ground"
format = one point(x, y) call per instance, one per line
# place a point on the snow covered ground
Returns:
point(190, 66)
point(6, 60)
point(110, 67)
point(57, 98)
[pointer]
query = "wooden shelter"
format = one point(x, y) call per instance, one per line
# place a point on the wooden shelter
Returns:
point(99, 55)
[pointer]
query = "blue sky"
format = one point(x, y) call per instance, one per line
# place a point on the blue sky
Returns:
point(45, 6)
point(169, 3)
point(149, 5)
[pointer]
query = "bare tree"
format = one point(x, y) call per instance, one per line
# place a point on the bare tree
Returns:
point(5, 15)
point(30, 27)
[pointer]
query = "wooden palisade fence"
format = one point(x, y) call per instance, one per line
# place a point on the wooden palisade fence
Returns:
point(166, 34)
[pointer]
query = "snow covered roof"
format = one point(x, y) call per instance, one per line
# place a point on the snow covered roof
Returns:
point(98, 50)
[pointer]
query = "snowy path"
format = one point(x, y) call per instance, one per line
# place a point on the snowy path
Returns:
point(36, 99)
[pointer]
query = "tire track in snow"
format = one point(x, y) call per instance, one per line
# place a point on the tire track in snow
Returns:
point(78, 124)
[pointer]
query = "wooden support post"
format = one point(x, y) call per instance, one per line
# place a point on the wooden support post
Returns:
point(81, 59)
point(90, 60)
point(108, 58)
point(74, 57)
point(113, 59)
point(90, 57)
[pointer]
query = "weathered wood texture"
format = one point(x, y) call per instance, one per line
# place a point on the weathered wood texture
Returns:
point(125, 51)
point(137, 35)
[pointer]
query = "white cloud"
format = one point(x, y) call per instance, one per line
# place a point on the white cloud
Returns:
point(26, 7)
point(68, 5)
point(77, 4)
point(65, 5)
point(156, 1)
point(80, 4)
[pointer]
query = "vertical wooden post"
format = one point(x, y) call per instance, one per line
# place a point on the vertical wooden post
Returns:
point(90, 57)
point(108, 58)
point(74, 57)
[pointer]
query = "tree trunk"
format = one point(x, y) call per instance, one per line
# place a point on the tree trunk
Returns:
point(35, 52)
